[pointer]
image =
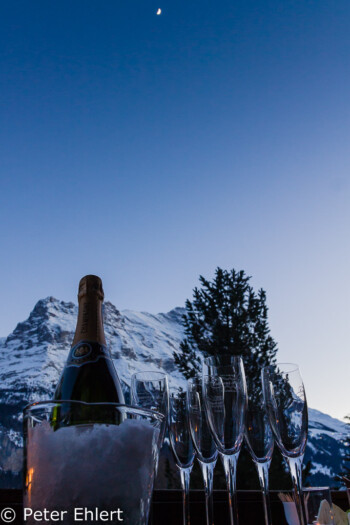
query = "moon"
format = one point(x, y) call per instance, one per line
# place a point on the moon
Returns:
point(159, 12)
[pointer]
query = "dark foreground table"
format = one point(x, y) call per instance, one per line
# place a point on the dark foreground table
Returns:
point(167, 507)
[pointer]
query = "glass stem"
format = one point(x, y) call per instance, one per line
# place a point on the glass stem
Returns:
point(295, 465)
point(185, 483)
point(263, 471)
point(208, 472)
point(230, 467)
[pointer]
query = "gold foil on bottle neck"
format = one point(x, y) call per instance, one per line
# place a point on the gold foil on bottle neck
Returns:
point(90, 322)
point(90, 285)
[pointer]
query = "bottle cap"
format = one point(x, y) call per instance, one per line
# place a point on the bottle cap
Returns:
point(90, 285)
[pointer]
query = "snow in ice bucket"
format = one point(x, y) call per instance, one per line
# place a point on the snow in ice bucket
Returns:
point(89, 462)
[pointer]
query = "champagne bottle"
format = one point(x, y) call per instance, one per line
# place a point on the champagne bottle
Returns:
point(89, 374)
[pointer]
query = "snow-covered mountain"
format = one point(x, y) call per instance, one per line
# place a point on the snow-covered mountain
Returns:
point(33, 355)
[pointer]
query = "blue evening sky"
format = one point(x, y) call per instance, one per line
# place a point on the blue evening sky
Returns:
point(150, 149)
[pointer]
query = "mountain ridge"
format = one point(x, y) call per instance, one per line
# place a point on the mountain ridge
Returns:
point(33, 355)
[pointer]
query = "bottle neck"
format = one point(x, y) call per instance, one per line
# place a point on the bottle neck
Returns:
point(90, 323)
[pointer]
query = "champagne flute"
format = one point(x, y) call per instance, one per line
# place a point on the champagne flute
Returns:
point(225, 395)
point(182, 446)
point(285, 400)
point(259, 438)
point(151, 390)
point(203, 441)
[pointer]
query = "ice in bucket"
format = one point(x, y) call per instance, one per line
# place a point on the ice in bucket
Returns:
point(79, 468)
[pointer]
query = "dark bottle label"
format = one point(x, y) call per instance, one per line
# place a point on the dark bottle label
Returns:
point(85, 352)
point(89, 375)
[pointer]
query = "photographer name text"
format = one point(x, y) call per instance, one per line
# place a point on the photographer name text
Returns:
point(78, 514)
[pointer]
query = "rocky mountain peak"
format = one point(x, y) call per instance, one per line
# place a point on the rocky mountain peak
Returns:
point(44, 324)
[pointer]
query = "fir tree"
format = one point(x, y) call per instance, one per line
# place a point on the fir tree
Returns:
point(226, 316)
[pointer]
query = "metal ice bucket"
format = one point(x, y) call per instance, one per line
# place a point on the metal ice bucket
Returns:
point(89, 462)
